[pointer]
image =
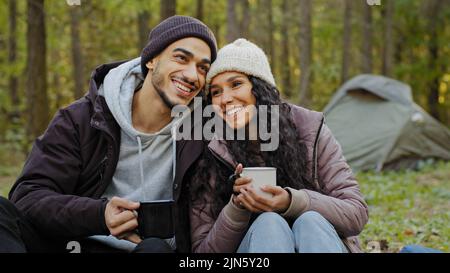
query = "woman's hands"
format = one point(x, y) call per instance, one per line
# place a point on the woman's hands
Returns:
point(256, 203)
point(246, 197)
point(239, 183)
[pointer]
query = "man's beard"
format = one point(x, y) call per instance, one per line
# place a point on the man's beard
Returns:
point(157, 81)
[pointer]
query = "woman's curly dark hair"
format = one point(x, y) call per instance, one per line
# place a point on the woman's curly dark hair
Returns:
point(289, 159)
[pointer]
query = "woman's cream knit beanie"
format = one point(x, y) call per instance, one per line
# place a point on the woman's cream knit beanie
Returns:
point(241, 56)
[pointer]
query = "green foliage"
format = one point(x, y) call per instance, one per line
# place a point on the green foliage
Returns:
point(109, 32)
point(11, 162)
point(408, 207)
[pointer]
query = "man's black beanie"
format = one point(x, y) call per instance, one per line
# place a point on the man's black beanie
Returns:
point(173, 29)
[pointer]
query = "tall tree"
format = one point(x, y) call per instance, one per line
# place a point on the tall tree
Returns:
point(199, 10)
point(259, 29)
point(367, 28)
point(246, 18)
point(285, 67)
point(264, 29)
point(55, 79)
point(12, 58)
point(270, 32)
point(77, 55)
point(433, 15)
point(347, 40)
point(216, 28)
point(36, 75)
point(143, 28)
point(305, 43)
point(168, 8)
point(232, 22)
point(389, 43)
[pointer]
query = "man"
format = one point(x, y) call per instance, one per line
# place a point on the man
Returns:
point(112, 148)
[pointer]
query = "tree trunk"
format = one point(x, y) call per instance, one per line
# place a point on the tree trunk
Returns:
point(433, 23)
point(285, 67)
point(399, 45)
point(216, 28)
point(168, 8)
point(389, 43)
point(270, 32)
point(143, 29)
point(232, 22)
point(246, 18)
point(12, 57)
point(305, 43)
point(347, 40)
point(264, 29)
point(77, 55)
point(200, 12)
point(36, 75)
point(55, 79)
point(366, 62)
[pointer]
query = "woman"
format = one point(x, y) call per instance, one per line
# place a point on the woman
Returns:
point(316, 205)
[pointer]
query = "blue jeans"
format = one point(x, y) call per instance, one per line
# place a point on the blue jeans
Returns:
point(310, 233)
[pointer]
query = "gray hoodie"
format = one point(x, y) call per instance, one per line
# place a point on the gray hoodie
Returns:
point(145, 170)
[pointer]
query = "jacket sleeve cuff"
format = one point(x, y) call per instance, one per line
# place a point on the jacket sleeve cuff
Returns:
point(103, 227)
point(300, 202)
point(236, 215)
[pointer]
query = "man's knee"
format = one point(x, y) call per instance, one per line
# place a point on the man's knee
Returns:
point(7, 208)
point(4, 202)
point(153, 245)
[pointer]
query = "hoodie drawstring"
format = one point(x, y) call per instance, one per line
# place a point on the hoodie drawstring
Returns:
point(140, 165)
point(174, 149)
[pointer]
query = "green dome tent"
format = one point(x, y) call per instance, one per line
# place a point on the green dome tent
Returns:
point(379, 126)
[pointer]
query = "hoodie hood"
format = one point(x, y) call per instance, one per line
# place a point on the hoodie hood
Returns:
point(120, 85)
point(136, 148)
